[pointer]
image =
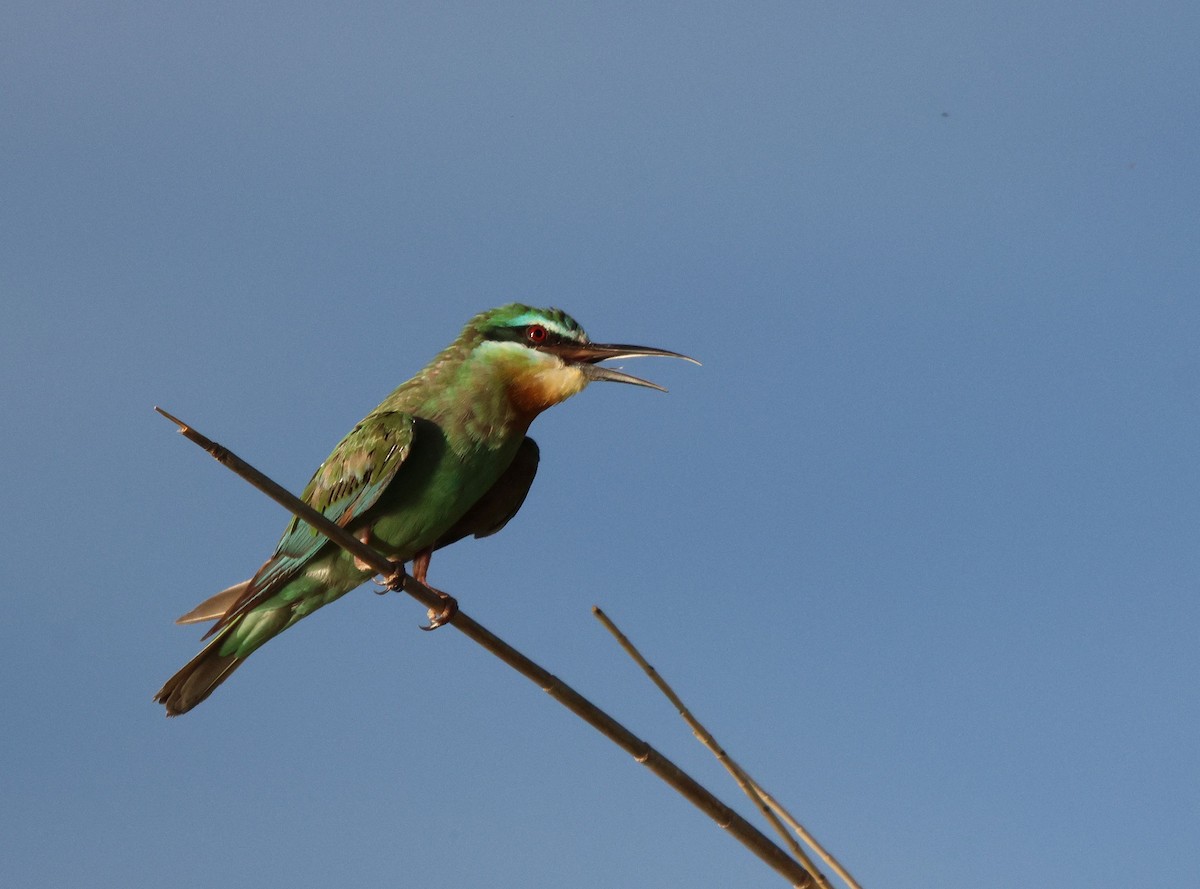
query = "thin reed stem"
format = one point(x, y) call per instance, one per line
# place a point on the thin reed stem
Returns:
point(762, 800)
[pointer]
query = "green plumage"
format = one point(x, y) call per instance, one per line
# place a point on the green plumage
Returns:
point(444, 456)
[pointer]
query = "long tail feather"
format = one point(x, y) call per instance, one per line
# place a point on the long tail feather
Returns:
point(237, 634)
point(198, 678)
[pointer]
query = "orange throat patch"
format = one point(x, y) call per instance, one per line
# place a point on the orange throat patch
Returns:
point(535, 388)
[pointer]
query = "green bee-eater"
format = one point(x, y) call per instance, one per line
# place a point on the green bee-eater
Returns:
point(444, 456)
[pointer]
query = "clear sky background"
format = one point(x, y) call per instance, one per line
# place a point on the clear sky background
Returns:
point(918, 541)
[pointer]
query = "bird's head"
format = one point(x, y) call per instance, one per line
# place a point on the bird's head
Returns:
point(544, 356)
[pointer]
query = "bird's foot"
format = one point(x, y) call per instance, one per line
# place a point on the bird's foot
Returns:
point(392, 583)
point(439, 617)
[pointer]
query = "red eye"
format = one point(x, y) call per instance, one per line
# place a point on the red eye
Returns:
point(536, 334)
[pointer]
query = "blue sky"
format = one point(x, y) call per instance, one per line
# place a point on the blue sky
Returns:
point(918, 541)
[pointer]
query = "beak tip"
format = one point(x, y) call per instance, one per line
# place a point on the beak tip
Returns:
point(588, 357)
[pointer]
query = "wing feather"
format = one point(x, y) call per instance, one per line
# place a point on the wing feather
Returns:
point(500, 503)
point(343, 488)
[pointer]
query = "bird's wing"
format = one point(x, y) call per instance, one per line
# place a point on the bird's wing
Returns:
point(500, 503)
point(344, 487)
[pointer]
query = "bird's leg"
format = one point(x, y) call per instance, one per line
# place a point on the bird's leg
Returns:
point(364, 536)
point(437, 616)
point(421, 565)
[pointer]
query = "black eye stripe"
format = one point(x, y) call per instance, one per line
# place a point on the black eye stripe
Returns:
point(520, 334)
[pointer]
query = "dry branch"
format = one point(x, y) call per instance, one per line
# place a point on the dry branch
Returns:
point(397, 579)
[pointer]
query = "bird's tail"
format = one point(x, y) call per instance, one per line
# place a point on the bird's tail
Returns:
point(199, 677)
point(238, 633)
point(203, 673)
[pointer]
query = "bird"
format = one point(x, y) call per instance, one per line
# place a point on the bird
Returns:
point(443, 457)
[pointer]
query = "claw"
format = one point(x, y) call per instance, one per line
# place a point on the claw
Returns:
point(438, 617)
point(393, 583)
point(441, 617)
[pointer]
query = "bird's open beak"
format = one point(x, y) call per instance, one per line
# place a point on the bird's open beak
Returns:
point(586, 356)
